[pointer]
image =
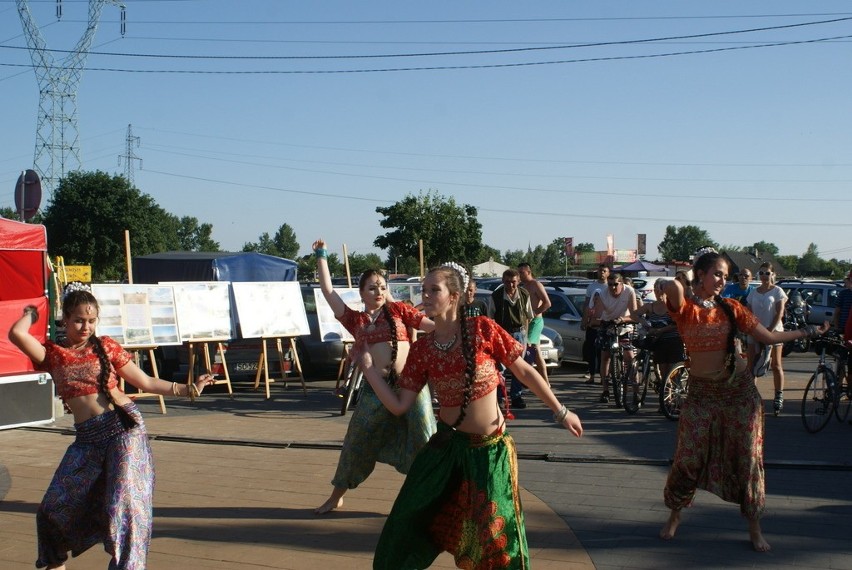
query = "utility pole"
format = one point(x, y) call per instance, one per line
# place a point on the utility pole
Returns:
point(129, 156)
point(57, 148)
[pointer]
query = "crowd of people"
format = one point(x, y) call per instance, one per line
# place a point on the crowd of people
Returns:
point(462, 454)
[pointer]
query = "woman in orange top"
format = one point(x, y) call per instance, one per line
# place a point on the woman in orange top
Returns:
point(720, 432)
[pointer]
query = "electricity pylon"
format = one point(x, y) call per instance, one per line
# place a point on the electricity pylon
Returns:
point(57, 149)
point(129, 156)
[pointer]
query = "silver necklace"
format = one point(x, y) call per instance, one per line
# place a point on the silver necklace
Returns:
point(373, 318)
point(706, 303)
point(445, 346)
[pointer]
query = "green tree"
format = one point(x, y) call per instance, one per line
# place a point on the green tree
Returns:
point(359, 263)
point(11, 214)
point(307, 267)
point(282, 244)
point(450, 232)
point(581, 247)
point(487, 253)
point(810, 262)
point(764, 247)
point(195, 236)
point(680, 243)
point(88, 215)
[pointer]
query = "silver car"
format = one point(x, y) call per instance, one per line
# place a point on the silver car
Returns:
point(565, 316)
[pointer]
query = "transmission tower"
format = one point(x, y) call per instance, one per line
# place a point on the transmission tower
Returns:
point(129, 156)
point(57, 148)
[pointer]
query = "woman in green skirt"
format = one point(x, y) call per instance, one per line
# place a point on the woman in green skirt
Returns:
point(461, 493)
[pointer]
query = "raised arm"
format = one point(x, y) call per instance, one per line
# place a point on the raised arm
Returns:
point(138, 378)
point(334, 301)
point(20, 335)
point(530, 378)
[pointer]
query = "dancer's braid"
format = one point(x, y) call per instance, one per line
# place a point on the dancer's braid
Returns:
point(106, 367)
point(394, 343)
point(732, 334)
point(469, 352)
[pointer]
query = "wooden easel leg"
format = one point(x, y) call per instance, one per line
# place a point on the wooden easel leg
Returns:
point(156, 375)
point(298, 364)
point(342, 366)
point(227, 379)
point(266, 369)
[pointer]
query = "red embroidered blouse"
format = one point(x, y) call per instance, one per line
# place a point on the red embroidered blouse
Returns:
point(706, 330)
point(445, 371)
point(75, 372)
point(367, 331)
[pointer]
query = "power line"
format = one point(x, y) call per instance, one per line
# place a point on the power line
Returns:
point(457, 53)
point(729, 222)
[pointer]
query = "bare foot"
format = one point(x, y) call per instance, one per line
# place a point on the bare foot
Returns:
point(669, 529)
point(757, 541)
point(335, 501)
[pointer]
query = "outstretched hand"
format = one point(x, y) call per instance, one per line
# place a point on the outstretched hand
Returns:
point(572, 423)
point(204, 380)
point(319, 244)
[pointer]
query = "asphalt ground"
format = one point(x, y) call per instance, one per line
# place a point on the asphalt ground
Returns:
point(237, 480)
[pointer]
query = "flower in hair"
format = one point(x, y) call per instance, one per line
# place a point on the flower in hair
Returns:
point(703, 250)
point(458, 268)
point(75, 286)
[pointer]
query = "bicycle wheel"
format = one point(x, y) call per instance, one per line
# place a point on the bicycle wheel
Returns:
point(353, 389)
point(616, 375)
point(843, 401)
point(636, 385)
point(818, 401)
point(673, 394)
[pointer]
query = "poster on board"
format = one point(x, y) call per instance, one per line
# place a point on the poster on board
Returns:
point(270, 309)
point(137, 315)
point(329, 327)
point(203, 310)
point(407, 292)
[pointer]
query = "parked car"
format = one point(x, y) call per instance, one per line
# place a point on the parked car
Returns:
point(644, 287)
point(565, 316)
point(819, 295)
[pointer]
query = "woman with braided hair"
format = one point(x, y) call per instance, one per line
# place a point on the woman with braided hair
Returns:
point(461, 494)
point(103, 488)
point(720, 431)
point(374, 434)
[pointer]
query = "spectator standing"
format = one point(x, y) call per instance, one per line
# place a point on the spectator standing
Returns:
point(739, 289)
point(474, 307)
point(767, 303)
point(513, 312)
point(591, 350)
point(667, 346)
point(540, 303)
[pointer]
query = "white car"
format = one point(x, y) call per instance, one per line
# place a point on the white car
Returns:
point(644, 287)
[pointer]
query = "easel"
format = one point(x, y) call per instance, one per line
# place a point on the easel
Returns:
point(341, 370)
point(154, 372)
point(263, 364)
point(192, 348)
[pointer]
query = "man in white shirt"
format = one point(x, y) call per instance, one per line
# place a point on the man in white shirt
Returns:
point(614, 304)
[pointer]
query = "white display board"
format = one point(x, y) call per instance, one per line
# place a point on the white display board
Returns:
point(137, 315)
point(411, 292)
point(204, 310)
point(270, 309)
point(330, 328)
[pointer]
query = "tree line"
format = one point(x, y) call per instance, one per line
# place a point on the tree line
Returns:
point(89, 212)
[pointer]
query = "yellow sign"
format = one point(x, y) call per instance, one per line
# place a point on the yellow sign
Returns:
point(81, 273)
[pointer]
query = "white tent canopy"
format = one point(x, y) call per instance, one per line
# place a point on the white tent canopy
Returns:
point(490, 268)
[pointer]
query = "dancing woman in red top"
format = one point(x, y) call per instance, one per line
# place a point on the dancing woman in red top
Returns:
point(374, 434)
point(720, 432)
point(102, 490)
point(461, 494)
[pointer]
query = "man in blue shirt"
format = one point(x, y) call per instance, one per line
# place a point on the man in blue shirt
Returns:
point(741, 288)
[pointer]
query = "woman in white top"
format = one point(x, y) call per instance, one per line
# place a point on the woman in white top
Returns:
point(767, 303)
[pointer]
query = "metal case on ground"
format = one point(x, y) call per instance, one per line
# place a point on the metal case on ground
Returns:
point(26, 399)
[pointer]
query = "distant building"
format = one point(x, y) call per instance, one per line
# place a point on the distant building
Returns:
point(753, 260)
point(490, 268)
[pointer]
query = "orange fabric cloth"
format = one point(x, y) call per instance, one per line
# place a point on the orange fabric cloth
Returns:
point(75, 372)
point(706, 330)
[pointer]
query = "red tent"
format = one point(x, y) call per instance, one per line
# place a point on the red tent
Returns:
point(23, 281)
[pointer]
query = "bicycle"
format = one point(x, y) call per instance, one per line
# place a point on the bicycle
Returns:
point(674, 390)
point(640, 373)
point(828, 390)
point(351, 391)
point(611, 341)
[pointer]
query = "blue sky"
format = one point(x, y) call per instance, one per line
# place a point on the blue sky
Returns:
point(553, 118)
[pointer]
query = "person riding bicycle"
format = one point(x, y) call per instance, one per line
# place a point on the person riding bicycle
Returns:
point(614, 304)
